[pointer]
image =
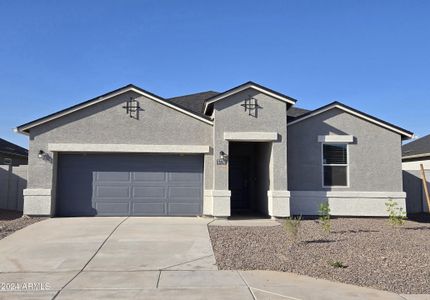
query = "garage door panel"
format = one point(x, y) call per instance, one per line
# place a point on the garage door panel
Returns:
point(178, 200)
point(185, 177)
point(180, 209)
point(149, 176)
point(129, 184)
point(184, 192)
point(112, 176)
point(149, 209)
point(150, 192)
point(112, 192)
point(112, 209)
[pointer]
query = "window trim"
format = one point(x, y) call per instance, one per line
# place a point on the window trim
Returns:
point(333, 165)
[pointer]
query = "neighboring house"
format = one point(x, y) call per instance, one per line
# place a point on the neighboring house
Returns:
point(11, 154)
point(414, 154)
point(131, 152)
point(13, 175)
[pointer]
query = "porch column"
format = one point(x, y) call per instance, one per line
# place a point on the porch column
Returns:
point(278, 195)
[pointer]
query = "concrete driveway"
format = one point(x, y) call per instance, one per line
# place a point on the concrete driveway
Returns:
point(149, 258)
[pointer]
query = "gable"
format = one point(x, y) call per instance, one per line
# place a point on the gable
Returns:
point(373, 152)
point(129, 88)
point(248, 85)
point(230, 114)
point(356, 113)
point(108, 122)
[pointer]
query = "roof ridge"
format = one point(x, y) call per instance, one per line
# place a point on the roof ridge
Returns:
point(193, 94)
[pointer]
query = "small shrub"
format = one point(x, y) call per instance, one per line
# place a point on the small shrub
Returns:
point(396, 214)
point(324, 218)
point(337, 264)
point(292, 226)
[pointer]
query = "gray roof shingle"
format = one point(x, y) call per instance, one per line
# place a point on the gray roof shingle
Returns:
point(418, 147)
point(194, 102)
point(8, 148)
point(295, 112)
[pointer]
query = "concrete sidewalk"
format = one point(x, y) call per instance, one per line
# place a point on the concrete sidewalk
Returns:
point(191, 285)
point(149, 258)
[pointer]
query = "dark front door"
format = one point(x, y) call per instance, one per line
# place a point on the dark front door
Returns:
point(239, 182)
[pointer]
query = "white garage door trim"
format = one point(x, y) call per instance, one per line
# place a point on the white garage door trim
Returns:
point(128, 148)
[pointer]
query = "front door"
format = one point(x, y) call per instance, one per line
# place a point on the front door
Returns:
point(239, 182)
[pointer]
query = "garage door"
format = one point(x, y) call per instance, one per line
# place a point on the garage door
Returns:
point(124, 184)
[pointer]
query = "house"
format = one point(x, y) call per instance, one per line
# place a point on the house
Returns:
point(415, 154)
point(11, 154)
point(131, 152)
point(13, 175)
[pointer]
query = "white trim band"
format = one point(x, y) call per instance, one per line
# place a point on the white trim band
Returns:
point(345, 203)
point(278, 193)
point(37, 192)
point(335, 138)
point(128, 148)
point(217, 193)
point(348, 194)
point(251, 136)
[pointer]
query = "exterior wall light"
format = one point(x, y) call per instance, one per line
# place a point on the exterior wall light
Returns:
point(223, 158)
point(45, 156)
point(223, 155)
point(41, 154)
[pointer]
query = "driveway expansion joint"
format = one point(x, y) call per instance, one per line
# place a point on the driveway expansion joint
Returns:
point(91, 258)
point(276, 294)
point(184, 263)
point(158, 279)
point(246, 283)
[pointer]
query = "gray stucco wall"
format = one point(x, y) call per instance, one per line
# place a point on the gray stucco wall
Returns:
point(374, 156)
point(13, 180)
point(413, 186)
point(107, 123)
point(416, 200)
point(230, 117)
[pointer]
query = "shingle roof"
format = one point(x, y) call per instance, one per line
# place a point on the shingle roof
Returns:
point(418, 147)
point(11, 149)
point(194, 102)
point(295, 112)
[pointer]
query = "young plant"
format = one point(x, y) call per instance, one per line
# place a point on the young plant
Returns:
point(292, 226)
point(396, 214)
point(337, 264)
point(324, 217)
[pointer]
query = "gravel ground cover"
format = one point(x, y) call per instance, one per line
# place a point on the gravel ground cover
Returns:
point(11, 221)
point(373, 253)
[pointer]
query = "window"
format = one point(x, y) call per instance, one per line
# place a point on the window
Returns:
point(335, 165)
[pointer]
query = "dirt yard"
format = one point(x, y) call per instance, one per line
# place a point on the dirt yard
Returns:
point(361, 251)
point(11, 221)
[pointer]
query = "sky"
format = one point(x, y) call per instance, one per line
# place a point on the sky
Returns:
point(371, 55)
